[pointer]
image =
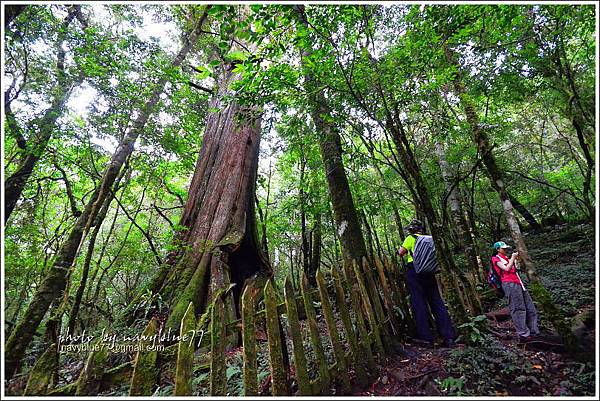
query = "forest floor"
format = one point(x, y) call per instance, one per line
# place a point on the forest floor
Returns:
point(487, 360)
point(490, 360)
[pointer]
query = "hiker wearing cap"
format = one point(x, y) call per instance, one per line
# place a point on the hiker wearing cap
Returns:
point(522, 310)
point(424, 292)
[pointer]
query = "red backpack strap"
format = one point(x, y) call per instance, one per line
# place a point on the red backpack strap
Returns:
point(495, 260)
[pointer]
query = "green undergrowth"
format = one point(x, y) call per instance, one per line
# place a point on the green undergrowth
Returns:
point(490, 370)
point(565, 259)
point(497, 369)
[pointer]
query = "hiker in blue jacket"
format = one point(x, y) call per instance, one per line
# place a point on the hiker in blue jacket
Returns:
point(425, 294)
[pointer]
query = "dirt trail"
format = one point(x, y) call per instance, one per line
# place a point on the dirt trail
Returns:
point(497, 364)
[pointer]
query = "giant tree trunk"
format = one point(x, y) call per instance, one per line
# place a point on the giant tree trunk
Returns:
point(55, 281)
point(219, 243)
point(541, 294)
point(14, 185)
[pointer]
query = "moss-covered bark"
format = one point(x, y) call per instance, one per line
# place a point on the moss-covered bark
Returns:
point(145, 369)
point(220, 231)
point(280, 385)
point(315, 338)
point(90, 378)
point(185, 353)
point(42, 377)
point(338, 351)
point(555, 315)
point(358, 357)
point(218, 378)
point(249, 343)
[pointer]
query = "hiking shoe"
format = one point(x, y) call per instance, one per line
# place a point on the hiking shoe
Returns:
point(525, 339)
point(423, 343)
point(448, 343)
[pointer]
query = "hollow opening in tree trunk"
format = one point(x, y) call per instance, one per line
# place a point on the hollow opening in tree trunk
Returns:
point(244, 262)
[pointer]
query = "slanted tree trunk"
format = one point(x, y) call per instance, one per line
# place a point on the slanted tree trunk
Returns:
point(14, 185)
point(447, 266)
point(55, 281)
point(540, 293)
point(533, 224)
point(219, 243)
point(88, 257)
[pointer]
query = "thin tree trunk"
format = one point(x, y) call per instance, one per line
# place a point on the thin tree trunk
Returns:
point(55, 280)
point(316, 251)
point(590, 165)
point(88, 258)
point(377, 243)
point(369, 235)
point(306, 250)
point(263, 216)
point(460, 225)
point(447, 266)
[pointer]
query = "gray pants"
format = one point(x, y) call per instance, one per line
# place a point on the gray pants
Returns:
point(522, 310)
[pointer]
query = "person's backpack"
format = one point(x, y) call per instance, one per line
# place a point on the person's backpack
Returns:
point(494, 280)
point(424, 259)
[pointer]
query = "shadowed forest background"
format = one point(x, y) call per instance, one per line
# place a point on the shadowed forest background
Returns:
point(248, 171)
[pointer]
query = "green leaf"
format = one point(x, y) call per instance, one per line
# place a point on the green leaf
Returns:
point(236, 55)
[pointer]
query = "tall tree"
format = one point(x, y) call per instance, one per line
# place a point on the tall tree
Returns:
point(34, 148)
point(346, 218)
point(55, 280)
point(219, 240)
